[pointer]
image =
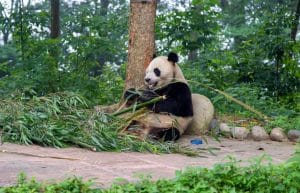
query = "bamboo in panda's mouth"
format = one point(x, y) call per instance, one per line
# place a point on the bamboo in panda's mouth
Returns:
point(152, 85)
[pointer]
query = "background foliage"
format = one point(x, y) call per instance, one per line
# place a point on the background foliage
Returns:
point(242, 47)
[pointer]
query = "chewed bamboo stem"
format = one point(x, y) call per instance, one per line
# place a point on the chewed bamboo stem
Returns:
point(138, 106)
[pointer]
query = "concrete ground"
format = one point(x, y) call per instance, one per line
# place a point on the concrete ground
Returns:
point(49, 164)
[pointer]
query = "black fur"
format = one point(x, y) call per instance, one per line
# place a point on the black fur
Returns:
point(178, 99)
point(133, 95)
point(167, 134)
point(157, 72)
point(173, 57)
point(178, 102)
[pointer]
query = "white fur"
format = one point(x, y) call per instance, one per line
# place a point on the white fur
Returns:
point(202, 106)
point(167, 70)
point(155, 121)
point(152, 121)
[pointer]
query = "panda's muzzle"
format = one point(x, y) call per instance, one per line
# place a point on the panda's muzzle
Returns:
point(150, 84)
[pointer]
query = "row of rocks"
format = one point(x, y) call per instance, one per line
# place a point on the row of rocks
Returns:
point(258, 133)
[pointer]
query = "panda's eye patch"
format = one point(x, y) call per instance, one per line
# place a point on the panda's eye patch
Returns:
point(156, 71)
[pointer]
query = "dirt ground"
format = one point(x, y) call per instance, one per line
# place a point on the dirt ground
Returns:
point(50, 164)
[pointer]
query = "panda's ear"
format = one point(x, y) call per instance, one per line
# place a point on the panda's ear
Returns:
point(173, 57)
point(154, 55)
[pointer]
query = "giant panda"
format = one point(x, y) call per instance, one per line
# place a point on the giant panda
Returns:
point(170, 118)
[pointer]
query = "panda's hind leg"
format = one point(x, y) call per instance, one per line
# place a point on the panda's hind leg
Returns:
point(166, 134)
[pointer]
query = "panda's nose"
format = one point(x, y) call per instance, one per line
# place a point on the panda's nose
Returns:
point(147, 79)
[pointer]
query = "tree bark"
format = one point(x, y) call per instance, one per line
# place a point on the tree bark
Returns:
point(224, 4)
point(6, 30)
point(104, 7)
point(141, 41)
point(54, 52)
point(101, 59)
point(295, 23)
point(55, 24)
point(192, 56)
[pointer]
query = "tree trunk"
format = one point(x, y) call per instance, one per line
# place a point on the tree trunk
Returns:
point(54, 52)
point(5, 35)
point(6, 30)
point(192, 56)
point(55, 19)
point(141, 41)
point(21, 7)
point(104, 7)
point(101, 59)
point(295, 23)
point(224, 4)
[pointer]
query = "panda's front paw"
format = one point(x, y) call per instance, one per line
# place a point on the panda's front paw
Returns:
point(130, 94)
point(148, 95)
point(167, 134)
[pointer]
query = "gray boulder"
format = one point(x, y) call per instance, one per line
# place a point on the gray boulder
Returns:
point(258, 133)
point(225, 129)
point(277, 134)
point(240, 133)
point(294, 135)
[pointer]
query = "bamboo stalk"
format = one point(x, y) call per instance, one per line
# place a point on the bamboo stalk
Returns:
point(249, 108)
point(157, 99)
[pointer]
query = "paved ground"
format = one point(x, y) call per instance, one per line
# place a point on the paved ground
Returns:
point(104, 167)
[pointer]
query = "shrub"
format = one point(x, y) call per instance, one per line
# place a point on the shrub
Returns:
point(228, 177)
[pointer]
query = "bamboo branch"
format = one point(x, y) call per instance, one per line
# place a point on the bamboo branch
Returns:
point(160, 98)
point(261, 115)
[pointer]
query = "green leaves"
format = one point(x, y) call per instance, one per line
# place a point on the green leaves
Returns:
point(190, 29)
point(62, 119)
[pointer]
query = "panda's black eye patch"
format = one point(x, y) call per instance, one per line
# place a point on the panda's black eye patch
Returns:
point(156, 71)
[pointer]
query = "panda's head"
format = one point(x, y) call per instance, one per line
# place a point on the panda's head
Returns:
point(162, 70)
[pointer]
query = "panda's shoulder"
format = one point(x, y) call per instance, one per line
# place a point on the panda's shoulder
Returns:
point(174, 89)
point(179, 86)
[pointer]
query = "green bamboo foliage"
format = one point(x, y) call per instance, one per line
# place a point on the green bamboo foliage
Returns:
point(229, 97)
point(65, 119)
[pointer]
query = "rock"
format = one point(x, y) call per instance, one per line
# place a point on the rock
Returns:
point(225, 130)
point(203, 115)
point(258, 133)
point(294, 135)
point(214, 127)
point(277, 134)
point(239, 132)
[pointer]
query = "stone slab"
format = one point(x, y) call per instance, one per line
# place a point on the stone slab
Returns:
point(50, 164)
